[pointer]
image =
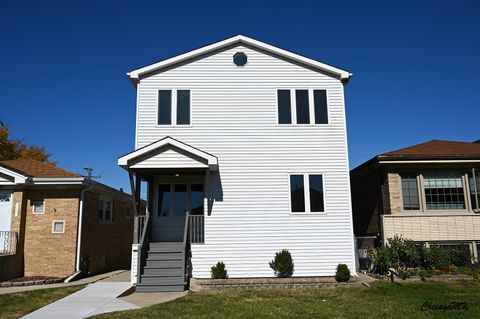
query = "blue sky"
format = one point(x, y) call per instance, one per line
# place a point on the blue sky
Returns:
point(416, 67)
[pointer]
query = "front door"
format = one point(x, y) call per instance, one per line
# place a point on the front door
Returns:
point(173, 201)
point(5, 219)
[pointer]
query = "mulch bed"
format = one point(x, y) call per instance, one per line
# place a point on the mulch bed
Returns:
point(30, 281)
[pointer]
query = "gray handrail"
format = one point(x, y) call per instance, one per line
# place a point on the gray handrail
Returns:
point(141, 245)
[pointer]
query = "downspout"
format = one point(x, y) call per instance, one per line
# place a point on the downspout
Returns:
point(79, 235)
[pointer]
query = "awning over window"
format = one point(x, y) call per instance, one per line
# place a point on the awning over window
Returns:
point(168, 153)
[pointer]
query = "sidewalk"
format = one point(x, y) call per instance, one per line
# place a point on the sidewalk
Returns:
point(97, 298)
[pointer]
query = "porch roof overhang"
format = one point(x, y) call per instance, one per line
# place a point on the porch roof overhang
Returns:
point(168, 153)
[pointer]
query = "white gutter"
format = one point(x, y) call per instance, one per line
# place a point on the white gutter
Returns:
point(79, 235)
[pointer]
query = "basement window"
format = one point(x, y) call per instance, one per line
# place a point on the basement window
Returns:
point(58, 227)
point(38, 207)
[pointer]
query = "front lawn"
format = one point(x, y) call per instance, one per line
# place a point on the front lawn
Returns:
point(385, 300)
point(19, 304)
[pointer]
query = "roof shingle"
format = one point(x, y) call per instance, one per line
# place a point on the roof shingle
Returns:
point(437, 149)
point(33, 168)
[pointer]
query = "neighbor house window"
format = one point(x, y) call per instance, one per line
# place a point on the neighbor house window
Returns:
point(443, 190)
point(307, 193)
point(410, 191)
point(128, 212)
point(309, 106)
point(474, 183)
point(173, 107)
point(58, 227)
point(105, 212)
point(38, 207)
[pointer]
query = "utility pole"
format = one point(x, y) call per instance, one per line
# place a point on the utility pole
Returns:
point(89, 173)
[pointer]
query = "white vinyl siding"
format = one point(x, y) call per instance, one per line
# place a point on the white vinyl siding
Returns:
point(234, 117)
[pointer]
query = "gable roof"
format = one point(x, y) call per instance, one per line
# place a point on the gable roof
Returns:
point(36, 169)
point(428, 152)
point(343, 75)
point(436, 149)
point(146, 153)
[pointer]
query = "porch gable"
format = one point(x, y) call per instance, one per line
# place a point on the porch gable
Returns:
point(168, 153)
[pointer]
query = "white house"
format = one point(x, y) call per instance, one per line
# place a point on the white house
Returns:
point(243, 147)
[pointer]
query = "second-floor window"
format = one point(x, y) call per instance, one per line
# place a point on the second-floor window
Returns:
point(302, 106)
point(173, 107)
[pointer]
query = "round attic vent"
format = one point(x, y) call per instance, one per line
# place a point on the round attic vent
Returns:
point(240, 59)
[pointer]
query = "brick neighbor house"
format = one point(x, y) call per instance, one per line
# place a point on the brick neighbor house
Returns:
point(429, 193)
point(56, 223)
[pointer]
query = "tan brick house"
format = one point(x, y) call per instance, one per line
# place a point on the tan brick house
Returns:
point(429, 193)
point(56, 223)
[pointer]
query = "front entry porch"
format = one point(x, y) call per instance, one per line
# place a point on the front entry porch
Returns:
point(177, 179)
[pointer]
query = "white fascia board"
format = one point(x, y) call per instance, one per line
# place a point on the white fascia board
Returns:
point(18, 178)
point(58, 181)
point(428, 161)
point(342, 74)
point(211, 160)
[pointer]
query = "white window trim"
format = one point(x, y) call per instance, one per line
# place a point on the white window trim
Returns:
point(293, 106)
point(423, 202)
point(173, 106)
point(53, 226)
point(306, 185)
point(33, 207)
point(103, 220)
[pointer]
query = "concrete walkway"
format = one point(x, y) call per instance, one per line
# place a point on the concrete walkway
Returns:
point(97, 298)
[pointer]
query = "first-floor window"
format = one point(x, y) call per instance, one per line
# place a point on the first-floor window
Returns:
point(410, 191)
point(306, 193)
point(444, 190)
point(474, 183)
point(105, 213)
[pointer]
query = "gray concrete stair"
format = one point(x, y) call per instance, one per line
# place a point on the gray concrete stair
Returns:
point(163, 270)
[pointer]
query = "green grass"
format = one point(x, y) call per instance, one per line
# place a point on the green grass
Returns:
point(385, 300)
point(19, 304)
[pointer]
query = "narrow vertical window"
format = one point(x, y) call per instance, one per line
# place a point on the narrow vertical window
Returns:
point(163, 200)
point(164, 107)
point(316, 193)
point(196, 199)
point(297, 193)
point(410, 191)
point(284, 107)
point(302, 107)
point(320, 106)
point(183, 107)
point(180, 197)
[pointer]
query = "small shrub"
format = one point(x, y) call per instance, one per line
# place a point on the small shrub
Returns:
point(219, 271)
point(342, 274)
point(282, 264)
